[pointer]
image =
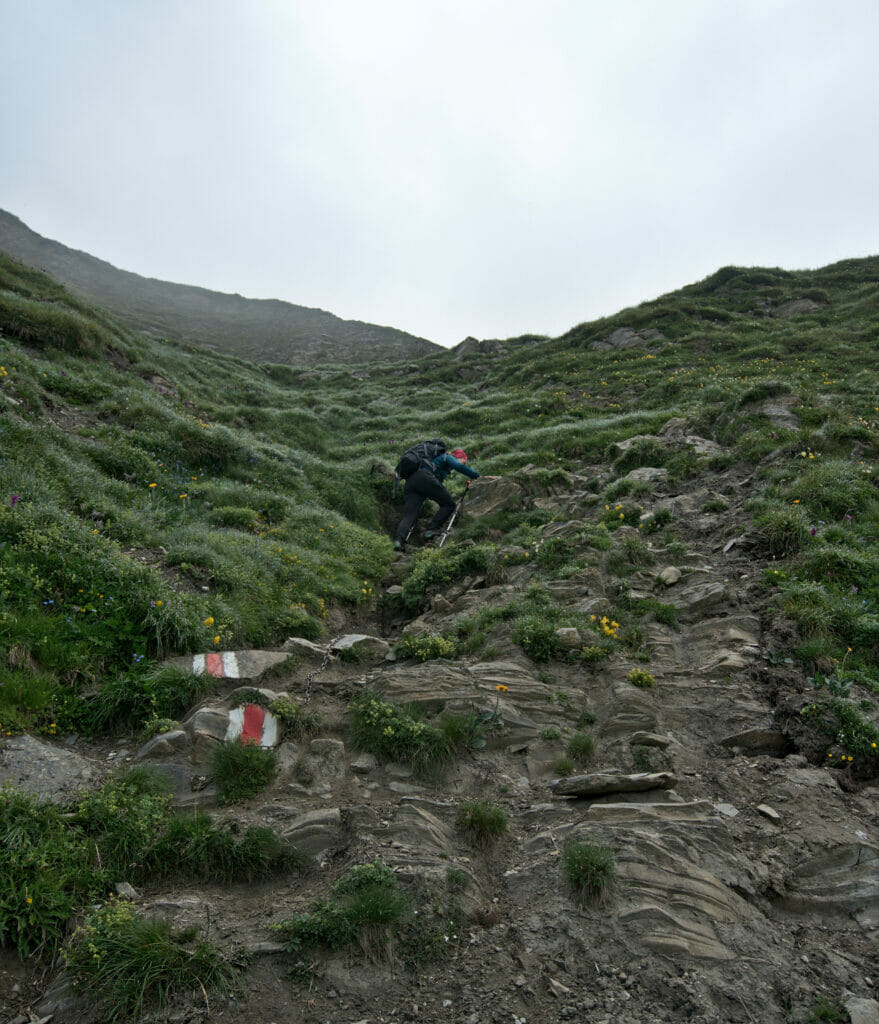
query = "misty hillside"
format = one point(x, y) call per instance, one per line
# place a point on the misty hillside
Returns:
point(608, 754)
point(263, 330)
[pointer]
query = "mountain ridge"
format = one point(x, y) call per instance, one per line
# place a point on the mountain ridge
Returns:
point(264, 330)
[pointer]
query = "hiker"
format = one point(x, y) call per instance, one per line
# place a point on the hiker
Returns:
point(426, 482)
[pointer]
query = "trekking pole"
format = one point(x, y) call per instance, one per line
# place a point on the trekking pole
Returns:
point(453, 517)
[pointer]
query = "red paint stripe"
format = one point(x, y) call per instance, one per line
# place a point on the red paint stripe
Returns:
point(213, 664)
point(254, 716)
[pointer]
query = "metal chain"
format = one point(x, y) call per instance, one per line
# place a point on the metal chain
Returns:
point(327, 655)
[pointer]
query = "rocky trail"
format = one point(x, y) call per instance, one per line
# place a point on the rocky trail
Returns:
point(747, 883)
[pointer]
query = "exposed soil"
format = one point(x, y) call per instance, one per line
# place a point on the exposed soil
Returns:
point(743, 894)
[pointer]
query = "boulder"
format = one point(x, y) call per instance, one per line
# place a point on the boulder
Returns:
point(569, 637)
point(45, 771)
point(604, 783)
point(627, 337)
point(361, 646)
point(246, 665)
point(487, 496)
point(647, 475)
point(795, 307)
point(165, 746)
point(841, 882)
point(316, 833)
point(308, 650)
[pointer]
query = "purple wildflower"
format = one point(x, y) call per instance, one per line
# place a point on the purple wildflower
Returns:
point(14, 500)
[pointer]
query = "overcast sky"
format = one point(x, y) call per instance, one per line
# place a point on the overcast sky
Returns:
point(449, 167)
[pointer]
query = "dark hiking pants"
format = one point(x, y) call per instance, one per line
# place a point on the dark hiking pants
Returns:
point(420, 487)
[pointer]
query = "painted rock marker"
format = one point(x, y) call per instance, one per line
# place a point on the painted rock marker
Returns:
point(251, 723)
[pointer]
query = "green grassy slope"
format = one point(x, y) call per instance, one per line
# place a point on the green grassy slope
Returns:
point(157, 498)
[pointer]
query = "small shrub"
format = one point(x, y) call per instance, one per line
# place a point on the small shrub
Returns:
point(657, 520)
point(296, 720)
point(553, 552)
point(456, 878)
point(241, 770)
point(537, 638)
point(641, 677)
point(426, 648)
point(615, 516)
point(636, 551)
point(136, 963)
point(156, 726)
point(587, 717)
point(564, 766)
point(483, 821)
point(581, 747)
point(550, 734)
point(389, 732)
point(589, 868)
point(434, 566)
point(594, 653)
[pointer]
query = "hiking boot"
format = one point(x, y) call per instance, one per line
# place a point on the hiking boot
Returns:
point(428, 534)
point(398, 545)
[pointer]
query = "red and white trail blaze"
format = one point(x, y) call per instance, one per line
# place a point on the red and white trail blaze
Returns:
point(252, 724)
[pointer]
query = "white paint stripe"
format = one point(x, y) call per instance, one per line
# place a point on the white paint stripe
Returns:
point(230, 665)
point(236, 723)
point(269, 731)
point(198, 665)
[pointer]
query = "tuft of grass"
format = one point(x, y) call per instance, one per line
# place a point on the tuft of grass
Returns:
point(134, 963)
point(564, 766)
point(785, 527)
point(589, 868)
point(581, 747)
point(367, 902)
point(466, 731)
point(241, 770)
point(483, 821)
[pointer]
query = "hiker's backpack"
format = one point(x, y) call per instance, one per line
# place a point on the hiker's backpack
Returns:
point(421, 454)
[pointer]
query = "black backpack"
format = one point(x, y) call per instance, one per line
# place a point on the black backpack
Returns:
point(421, 454)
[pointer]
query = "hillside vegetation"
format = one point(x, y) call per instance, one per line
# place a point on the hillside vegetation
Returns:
point(161, 500)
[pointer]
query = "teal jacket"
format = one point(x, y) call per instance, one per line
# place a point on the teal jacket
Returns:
point(445, 464)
